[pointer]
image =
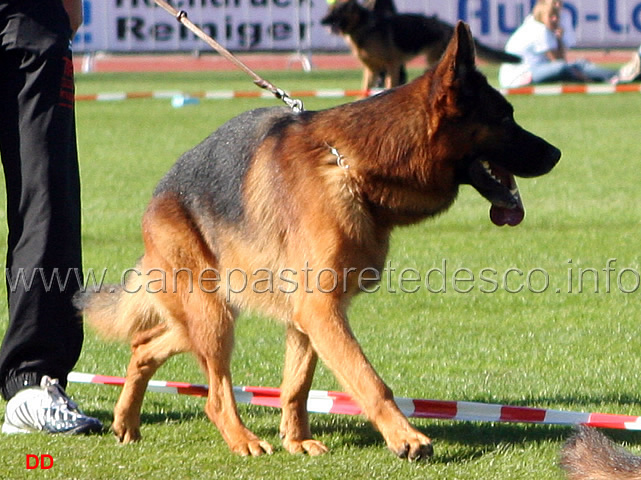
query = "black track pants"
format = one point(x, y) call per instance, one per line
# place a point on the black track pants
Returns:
point(39, 156)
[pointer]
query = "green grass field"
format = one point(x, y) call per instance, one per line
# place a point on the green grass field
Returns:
point(574, 345)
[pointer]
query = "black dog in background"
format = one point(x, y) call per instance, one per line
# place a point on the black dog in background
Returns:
point(383, 8)
point(384, 41)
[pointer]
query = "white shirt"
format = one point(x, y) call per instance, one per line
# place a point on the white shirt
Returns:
point(530, 41)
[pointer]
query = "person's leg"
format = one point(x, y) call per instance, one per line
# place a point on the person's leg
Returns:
point(594, 72)
point(558, 71)
point(38, 148)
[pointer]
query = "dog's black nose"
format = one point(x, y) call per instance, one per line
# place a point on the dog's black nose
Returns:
point(554, 155)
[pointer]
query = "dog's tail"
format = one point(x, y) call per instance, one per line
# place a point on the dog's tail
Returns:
point(590, 455)
point(493, 55)
point(118, 312)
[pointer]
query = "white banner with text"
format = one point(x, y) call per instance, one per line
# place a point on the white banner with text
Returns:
point(294, 25)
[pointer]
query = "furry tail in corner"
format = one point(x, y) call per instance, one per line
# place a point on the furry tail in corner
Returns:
point(590, 455)
point(118, 312)
point(493, 55)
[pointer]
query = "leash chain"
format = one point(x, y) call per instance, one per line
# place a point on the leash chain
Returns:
point(181, 16)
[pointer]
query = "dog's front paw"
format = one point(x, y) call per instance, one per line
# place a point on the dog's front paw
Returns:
point(310, 446)
point(124, 433)
point(412, 445)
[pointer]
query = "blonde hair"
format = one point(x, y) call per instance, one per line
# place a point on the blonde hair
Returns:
point(542, 7)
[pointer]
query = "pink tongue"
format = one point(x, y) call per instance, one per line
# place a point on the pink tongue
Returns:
point(506, 216)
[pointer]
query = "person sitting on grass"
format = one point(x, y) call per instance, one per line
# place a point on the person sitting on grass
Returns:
point(542, 43)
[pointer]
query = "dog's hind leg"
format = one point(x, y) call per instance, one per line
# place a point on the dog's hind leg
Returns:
point(392, 78)
point(178, 246)
point(150, 349)
point(211, 329)
point(300, 363)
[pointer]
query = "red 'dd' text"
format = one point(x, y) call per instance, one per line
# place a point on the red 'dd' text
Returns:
point(44, 461)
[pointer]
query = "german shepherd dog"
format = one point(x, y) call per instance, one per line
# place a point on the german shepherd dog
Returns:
point(385, 42)
point(590, 455)
point(307, 200)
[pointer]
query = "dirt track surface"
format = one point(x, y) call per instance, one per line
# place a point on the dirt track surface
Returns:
point(263, 61)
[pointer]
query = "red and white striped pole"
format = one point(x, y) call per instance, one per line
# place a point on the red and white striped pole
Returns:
point(325, 401)
point(536, 90)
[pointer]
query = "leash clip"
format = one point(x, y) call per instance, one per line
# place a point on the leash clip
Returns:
point(294, 103)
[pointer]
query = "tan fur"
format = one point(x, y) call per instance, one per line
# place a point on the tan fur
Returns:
point(112, 313)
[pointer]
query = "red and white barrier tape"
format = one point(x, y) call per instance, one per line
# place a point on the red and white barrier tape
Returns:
point(324, 401)
point(539, 90)
point(217, 94)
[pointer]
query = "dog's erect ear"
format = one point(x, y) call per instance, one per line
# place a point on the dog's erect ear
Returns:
point(450, 78)
point(459, 56)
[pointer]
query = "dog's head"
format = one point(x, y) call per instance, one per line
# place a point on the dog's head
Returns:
point(490, 148)
point(344, 16)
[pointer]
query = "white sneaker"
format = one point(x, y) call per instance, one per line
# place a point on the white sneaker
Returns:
point(46, 408)
point(630, 71)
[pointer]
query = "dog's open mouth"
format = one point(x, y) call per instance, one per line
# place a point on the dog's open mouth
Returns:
point(499, 186)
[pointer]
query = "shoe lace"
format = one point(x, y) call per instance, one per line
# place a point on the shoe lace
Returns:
point(61, 408)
